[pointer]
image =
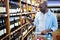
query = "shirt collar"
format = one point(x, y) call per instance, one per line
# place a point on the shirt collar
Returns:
point(48, 13)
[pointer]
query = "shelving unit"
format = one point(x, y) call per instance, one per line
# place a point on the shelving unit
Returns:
point(14, 16)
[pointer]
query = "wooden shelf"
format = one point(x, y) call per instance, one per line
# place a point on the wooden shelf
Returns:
point(19, 28)
point(5, 36)
point(27, 33)
point(10, 14)
point(31, 12)
point(16, 14)
point(3, 15)
point(28, 13)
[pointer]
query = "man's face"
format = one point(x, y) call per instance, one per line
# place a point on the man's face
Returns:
point(42, 7)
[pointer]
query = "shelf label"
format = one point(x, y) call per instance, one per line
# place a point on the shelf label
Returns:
point(11, 26)
point(16, 24)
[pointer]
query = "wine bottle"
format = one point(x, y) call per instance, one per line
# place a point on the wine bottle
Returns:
point(29, 26)
point(14, 6)
point(33, 9)
point(11, 22)
point(16, 21)
point(2, 6)
point(2, 3)
point(2, 28)
point(24, 31)
point(16, 35)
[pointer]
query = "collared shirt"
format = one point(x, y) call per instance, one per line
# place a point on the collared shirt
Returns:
point(45, 21)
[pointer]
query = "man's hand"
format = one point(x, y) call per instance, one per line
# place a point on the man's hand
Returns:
point(45, 31)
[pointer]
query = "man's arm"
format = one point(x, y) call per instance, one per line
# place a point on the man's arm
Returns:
point(54, 23)
point(54, 26)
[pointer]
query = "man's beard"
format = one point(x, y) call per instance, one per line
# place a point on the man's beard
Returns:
point(43, 11)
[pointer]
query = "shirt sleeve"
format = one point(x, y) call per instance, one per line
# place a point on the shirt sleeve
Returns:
point(54, 23)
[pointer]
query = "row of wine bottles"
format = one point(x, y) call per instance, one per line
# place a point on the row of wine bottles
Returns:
point(31, 36)
point(14, 24)
point(13, 7)
point(2, 28)
point(16, 35)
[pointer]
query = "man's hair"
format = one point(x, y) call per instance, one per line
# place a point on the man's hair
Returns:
point(43, 3)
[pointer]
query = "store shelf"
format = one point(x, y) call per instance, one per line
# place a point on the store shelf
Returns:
point(19, 28)
point(5, 36)
point(31, 12)
point(29, 27)
point(28, 13)
point(11, 10)
point(16, 13)
point(24, 32)
point(3, 15)
point(27, 33)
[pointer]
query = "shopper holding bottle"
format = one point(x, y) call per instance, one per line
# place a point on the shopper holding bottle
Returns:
point(45, 21)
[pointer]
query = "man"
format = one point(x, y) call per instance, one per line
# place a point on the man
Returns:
point(45, 21)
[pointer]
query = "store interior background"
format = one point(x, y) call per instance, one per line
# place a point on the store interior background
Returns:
point(53, 5)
